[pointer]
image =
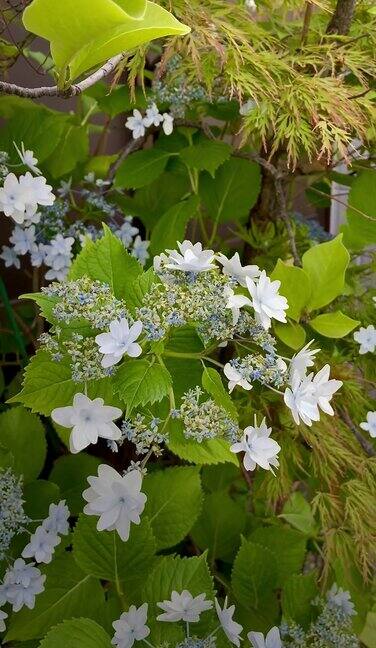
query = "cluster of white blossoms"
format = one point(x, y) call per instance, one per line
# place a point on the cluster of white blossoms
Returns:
point(183, 606)
point(23, 581)
point(139, 123)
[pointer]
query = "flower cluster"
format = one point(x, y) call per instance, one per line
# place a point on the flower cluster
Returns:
point(12, 516)
point(45, 538)
point(268, 370)
point(138, 123)
point(145, 433)
point(54, 234)
point(175, 90)
point(332, 627)
point(204, 420)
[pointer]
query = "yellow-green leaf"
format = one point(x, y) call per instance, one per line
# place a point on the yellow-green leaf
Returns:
point(295, 286)
point(334, 325)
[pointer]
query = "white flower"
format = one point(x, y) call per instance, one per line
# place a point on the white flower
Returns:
point(19, 198)
point(27, 158)
point(251, 5)
point(37, 255)
point(120, 341)
point(282, 366)
point(3, 615)
point(23, 240)
point(370, 425)
point(233, 268)
point(235, 303)
point(127, 232)
point(65, 188)
point(57, 520)
point(192, 258)
point(136, 124)
point(266, 301)
point(158, 260)
point(366, 338)
point(235, 378)
point(247, 107)
point(153, 117)
point(342, 599)
point(33, 219)
point(10, 258)
point(231, 628)
point(21, 584)
point(324, 389)
point(272, 639)
point(140, 250)
point(131, 627)
point(58, 257)
point(89, 420)
point(168, 123)
point(302, 360)
point(299, 398)
point(258, 448)
point(117, 500)
point(184, 607)
point(41, 546)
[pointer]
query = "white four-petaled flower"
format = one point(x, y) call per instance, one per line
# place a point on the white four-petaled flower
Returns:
point(3, 616)
point(366, 337)
point(116, 499)
point(272, 639)
point(231, 628)
point(233, 268)
point(184, 607)
point(41, 546)
point(266, 301)
point(57, 520)
point(120, 341)
point(89, 420)
point(370, 424)
point(341, 598)
point(153, 117)
point(131, 627)
point(235, 378)
point(191, 258)
point(22, 582)
point(258, 448)
point(136, 124)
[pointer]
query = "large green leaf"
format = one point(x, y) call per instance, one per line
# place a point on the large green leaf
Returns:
point(232, 192)
point(333, 325)
point(220, 526)
point(212, 451)
point(326, 265)
point(108, 261)
point(174, 503)
point(48, 384)
point(138, 382)
point(295, 286)
point(292, 334)
point(22, 434)
point(171, 227)
point(360, 231)
point(70, 473)
point(298, 593)
point(141, 168)
point(105, 555)
point(72, 150)
point(85, 33)
point(287, 545)
point(207, 155)
point(69, 593)
point(39, 494)
point(84, 633)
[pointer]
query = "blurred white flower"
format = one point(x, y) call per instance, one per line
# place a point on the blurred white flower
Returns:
point(233, 268)
point(23, 240)
point(184, 607)
point(116, 499)
point(235, 303)
point(192, 258)
point(57, 520)
point(27, 158)
point(231, 628)
point(37, 255)
point(258, 448)
point(65, 188)
point(22, 582)
point(3, 616)
point(266, 301)
point(247, 107)
point(20, 197)
point(366, 337)
point(168, 123)
point(136, 124)
point(127, 231)
point(341, 598)
point(58, 256)
point(140, 250)
point(153, 117)
point(235, 378)
point(131, 627)
point(10, 258)
point(251, 5)
point(89, 420)
point(303, 359)
point(272, 639)
point(120, 341)
point(41, 546)
point(370, 425)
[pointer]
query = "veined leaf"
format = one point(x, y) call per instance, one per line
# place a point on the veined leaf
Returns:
point(77, 632)
point(333, 325)
point(138, 382)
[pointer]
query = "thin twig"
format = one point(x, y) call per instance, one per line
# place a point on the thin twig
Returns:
point(71, 91)
point(306, 23)
point(132, 146)
point(366, 445)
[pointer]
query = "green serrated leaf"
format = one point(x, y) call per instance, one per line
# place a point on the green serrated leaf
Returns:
point(297, 512)
point(78, 632)
point(333, 325)
point(212, 451)
point(107, 261)
point(326, 266)
point(138, 382)
point(105, 555)
point(174, 503)
point(207, 155)
point(68, 593)
point(288, 547)
point(23, 436)
point(139, 287)
point(254, 574)
point(298, 593)
point(220, 526)
point(141, 168)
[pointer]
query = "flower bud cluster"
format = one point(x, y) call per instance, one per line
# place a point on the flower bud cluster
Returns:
point(12, 516)
point(205, 420)
point(144, 433)
point(266, 369)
